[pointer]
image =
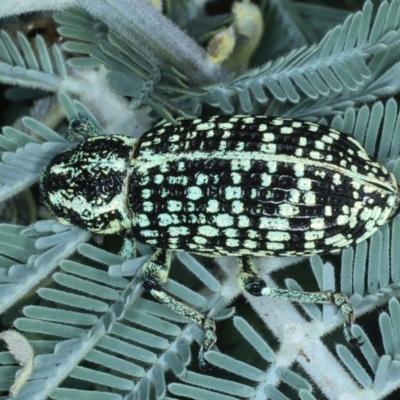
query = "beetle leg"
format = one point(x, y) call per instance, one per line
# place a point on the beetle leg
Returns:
point(155, 274)
point(249, 280)
point(128, 250)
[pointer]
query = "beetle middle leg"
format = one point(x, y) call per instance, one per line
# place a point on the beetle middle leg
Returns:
point(249, 280)
point(155, 274)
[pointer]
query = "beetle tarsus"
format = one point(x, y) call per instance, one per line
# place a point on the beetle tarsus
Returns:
point(204, 365)
point(341, 301)
point(249, 280)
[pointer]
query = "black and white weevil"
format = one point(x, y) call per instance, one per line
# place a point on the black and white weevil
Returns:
point(244, 186)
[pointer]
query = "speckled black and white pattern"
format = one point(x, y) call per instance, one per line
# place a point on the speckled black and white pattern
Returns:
point(225, 185)
point(238, 185)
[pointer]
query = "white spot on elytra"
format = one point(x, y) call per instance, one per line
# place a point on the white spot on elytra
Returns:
point(317, 223)
point(309, 198)
point(237, 207)
point(297, 124)
point(268, 137)
point(265, 179)
point(366, 214)
point(142, 220)
point(309, 245)
point(178, 230)
point(236, 178)
point(327, 139)
point(274, 246)
point(342, 219)
point(313, 235)
point(328, 211)
point(286, 130)
point(334, 239)
point(200, 240)
point(225, 125)
point(212, 206)
point(146, 193)
point(313, 127)
point(165, 219)
point(173, 138)
point(316, 155)
point(231, 232)
point(223, 220)
point(205, 126)
point(233, 192)
point(304, 184)
point(174, 206)
point(158, 179)
point(268, 148)
point(194, 193)
point(299, 170)
point(201, 179)
point(243, 221)
point(274, 223)
point(147, 206)
point(299, 152)
point(250, 244)
point(276, 236)
point(294, 196)
point(334, 135)
point(288, 210)
point(208, 231)
point(149, 233)
point(210, 133)
point(232, 242)
point(272, 166)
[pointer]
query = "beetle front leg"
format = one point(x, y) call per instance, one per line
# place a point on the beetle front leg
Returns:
point(128, 249)
point(249, 280)
point(155, 274)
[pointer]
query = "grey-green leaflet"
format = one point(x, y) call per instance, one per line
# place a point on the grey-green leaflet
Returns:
point(244, 186)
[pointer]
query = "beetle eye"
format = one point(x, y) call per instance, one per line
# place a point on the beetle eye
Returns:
point(81, 128)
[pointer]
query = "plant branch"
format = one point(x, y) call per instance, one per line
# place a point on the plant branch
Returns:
point(143, 26)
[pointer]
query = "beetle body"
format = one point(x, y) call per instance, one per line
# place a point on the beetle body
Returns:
point(239, 185)
point(242, 185)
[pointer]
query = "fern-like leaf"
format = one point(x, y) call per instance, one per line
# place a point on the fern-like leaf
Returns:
point(344, 64)
point(20, 66)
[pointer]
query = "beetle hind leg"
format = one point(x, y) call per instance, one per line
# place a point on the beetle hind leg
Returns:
point(249, 280)
point(155, 274)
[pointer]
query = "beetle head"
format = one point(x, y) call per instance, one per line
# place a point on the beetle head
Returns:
point(86, 186)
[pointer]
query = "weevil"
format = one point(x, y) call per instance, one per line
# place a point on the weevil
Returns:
point(243, 186)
